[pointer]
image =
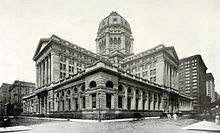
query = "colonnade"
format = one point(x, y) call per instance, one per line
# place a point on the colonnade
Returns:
point(44, 71)
point(170, 73)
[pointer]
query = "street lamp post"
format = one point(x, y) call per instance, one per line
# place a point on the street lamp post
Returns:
point(99, 115)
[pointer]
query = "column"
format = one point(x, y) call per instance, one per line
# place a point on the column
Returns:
point(49, 68)
point(147, 101)
point(67, 67)
point(38, 75)
point(157, 102)
point(133, 105)
point(152, 101)
point(42, 74)
point(79, 102)
point(132, 46)
point(107, 43)
point(168, 75)
point(115, 101)
point(125, 103)
point(140, 104)
point(46, 70)
point(45, 104)
point(123, 43)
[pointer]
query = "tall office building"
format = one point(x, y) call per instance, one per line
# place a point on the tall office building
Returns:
point(192, 81)
point(210, 86)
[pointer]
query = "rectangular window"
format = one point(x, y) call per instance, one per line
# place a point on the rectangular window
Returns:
point(84, 102)
point(129, 103)
point(77, 105)
point(108, 101)
point(120, 102)
point(93, 100)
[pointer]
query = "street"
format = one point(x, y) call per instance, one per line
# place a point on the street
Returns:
point(147, 126)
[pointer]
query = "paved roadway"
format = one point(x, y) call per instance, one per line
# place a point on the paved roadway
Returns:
point(143, 126)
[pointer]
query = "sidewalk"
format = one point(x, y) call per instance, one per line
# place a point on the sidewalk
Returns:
point(93, 121)
point(204, 126)
point(14, 129)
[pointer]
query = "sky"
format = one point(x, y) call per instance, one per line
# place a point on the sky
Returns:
point(191, 26)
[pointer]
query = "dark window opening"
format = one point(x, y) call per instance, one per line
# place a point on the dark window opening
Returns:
point(120, 88)
point(77, 104)
point(129, 103)
point(108, 100)
point(93, 100)
point(92, 84)
point(109, 84)
point(119, 101)
point(84, 102)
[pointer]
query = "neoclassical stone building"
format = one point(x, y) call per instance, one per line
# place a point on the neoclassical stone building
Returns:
point(73, 82)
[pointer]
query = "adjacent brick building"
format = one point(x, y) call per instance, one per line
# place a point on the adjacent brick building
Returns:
point(17, 91)
point(210, 86)
point(192, 80)
point(4, 97)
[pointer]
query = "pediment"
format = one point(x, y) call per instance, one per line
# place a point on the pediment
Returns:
point(172, 52)
point(42, 43)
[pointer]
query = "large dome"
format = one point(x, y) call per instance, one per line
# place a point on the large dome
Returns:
point(114, 21)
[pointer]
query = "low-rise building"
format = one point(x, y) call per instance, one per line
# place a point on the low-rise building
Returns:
point(17, 91)
point(4, 97)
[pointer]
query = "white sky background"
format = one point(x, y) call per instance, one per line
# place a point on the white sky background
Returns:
point(191, 26)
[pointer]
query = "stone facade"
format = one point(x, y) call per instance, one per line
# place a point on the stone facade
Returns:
point(73, 82)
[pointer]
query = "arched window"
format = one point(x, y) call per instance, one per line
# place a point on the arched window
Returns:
point(109, 84)
point(119, 40)
point(57, 94)
point(120, 88)
point(83, 88)
point(62, 93)
point(75, 90)
point(115, 40)
point(92, 84)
